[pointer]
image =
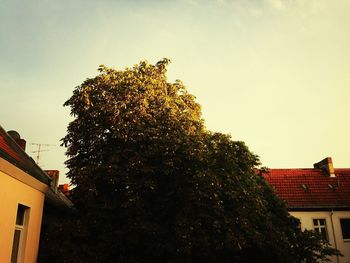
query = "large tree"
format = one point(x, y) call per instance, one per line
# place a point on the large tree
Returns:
point(152, 184)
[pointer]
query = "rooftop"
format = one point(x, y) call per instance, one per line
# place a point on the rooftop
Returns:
point(311, 188)
point(13, 153)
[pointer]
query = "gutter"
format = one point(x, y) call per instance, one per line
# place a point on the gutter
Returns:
point(320, 208)
point(333, 232)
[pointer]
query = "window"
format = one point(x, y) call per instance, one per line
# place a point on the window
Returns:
point(320, 227)
point(20, 231)
point(345, 228)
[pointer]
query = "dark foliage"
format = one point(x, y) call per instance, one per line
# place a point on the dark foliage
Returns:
point(153, 185)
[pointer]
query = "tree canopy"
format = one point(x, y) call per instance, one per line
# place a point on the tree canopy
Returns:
point(152, 184)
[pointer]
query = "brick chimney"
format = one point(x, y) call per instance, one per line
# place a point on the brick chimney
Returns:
point(326, 165)
point(64, 189)
point(54, 175)
point(17, 138)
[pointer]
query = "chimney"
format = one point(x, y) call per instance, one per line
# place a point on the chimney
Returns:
point(17, 138)
point(64, 189)
point(326, 165)
point(54, 175)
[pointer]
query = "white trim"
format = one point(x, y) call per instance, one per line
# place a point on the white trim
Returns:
point(18, 174)
point(22, 235)
point(341, 229)
point(318, 227)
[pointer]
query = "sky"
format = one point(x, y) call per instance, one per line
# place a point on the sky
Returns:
point(272, 73)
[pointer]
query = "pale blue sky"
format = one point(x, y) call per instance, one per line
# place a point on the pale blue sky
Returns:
point(273, 73)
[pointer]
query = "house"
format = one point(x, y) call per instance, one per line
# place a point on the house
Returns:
point(29, 201)
point(320, 198)
point(22, 193)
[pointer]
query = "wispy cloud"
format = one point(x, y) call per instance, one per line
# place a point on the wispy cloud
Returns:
point(192, 2)
point(276, 4)
point(255, 12)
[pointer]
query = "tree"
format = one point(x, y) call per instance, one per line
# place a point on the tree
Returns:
point(152, 184)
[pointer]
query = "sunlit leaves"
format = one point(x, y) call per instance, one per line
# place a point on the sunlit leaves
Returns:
point(153, 185)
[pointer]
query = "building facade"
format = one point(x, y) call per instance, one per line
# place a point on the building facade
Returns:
point(22, 193)
point(320, 198)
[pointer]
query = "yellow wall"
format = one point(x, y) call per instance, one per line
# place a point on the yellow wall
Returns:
point(336, 238)
point(18, 187)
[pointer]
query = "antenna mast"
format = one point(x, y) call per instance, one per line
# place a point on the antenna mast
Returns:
point(40, 150)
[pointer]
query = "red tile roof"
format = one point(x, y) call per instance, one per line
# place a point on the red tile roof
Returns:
point(311, 188)
point(13, 153)
point(4, 145)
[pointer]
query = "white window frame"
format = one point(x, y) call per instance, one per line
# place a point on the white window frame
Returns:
point(23, 228)
point(318, 226)
point(341, 229)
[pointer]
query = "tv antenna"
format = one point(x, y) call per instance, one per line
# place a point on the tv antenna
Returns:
point(39, 150)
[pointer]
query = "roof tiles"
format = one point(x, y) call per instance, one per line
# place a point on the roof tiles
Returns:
point(311, 188)
point(13, 153)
